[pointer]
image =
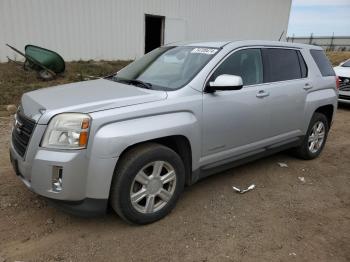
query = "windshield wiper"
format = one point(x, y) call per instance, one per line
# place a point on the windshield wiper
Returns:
point(140, 83)
point(134, 82)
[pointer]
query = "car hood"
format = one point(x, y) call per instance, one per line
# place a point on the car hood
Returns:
point(84, 97)
point(342, 71)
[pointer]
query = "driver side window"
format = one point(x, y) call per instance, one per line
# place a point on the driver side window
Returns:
point(246, 63)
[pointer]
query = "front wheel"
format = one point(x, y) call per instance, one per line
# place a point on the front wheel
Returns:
point(315, 138)
point(147, 183)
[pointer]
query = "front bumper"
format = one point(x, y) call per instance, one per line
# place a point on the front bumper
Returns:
point(86, 208)
point(344, 97)
point(344, 101)
point(37, 174)
point(85, 181)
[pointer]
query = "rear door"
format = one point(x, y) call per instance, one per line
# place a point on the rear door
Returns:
point(285, 75)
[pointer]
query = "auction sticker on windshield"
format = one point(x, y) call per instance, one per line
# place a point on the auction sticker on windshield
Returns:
point(207, 51)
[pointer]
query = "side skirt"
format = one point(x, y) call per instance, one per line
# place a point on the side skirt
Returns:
point(226, 164)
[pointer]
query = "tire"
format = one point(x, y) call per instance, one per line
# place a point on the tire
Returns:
point(304, 150)
point(126, 184)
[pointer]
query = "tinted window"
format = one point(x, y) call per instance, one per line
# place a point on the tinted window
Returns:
point(245, 63)
point(280, 64)
point(322, 62)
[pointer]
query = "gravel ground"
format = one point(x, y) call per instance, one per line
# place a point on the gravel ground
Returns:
point(282, 219)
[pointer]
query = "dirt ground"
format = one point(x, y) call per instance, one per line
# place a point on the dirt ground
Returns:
point(282, 219)
point(14, 81)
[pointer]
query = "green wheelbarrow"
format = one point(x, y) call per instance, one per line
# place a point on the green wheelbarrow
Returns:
point(47, 63)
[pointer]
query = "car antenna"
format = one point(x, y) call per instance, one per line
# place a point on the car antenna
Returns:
point(279, 39)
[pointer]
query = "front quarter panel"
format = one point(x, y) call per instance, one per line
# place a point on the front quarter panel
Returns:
point(111, 140)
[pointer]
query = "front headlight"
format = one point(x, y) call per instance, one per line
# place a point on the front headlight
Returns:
point(67, 131)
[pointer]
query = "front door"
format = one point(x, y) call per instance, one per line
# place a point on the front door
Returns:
point(236, 122)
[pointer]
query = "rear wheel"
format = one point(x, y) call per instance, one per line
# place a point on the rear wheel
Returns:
point(315, 138)
point(147, 183)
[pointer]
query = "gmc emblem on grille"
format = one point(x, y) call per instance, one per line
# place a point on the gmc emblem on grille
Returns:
point(18, 125)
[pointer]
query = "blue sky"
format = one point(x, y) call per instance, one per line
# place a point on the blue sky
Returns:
point(320, 17)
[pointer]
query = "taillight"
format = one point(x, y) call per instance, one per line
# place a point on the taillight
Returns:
point(337, 83)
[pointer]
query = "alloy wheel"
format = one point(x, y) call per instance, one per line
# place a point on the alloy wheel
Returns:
point(153, 187)
point(317, 136)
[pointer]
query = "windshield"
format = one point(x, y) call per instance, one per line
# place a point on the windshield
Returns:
point(166, 68)
point(346, 64)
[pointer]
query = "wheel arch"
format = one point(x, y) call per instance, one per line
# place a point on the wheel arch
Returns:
point(178, 143)
point(322, 101)
point(328, 111)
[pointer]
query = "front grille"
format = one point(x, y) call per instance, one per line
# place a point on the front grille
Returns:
point(22, 132)
point(344, 83)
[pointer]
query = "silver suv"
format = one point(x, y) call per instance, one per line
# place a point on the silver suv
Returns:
point(134, 139)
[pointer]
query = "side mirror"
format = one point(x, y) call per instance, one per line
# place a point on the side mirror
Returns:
point(225, 82)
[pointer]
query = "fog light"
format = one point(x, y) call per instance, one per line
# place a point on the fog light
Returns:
point(57, 173)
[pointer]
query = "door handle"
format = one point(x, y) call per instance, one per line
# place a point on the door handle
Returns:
point(307, 86)
point(262, 93)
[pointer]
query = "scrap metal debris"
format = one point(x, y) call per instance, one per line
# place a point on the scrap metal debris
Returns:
point(242, 191)
point(87, 77)
point(282, 164)
point(11, 109)
point(301, 178)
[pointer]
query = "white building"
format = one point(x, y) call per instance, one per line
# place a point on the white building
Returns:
point(124, 29)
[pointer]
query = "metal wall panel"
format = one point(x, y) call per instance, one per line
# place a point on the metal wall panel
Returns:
point(114, 29)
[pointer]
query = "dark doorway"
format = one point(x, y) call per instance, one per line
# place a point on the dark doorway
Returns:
point(154, 32)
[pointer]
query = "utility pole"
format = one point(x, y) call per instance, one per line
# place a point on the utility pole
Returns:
point(310, 39)
point(331, 47)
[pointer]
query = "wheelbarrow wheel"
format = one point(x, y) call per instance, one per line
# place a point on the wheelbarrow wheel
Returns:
point(43, 74)
point(26, 65)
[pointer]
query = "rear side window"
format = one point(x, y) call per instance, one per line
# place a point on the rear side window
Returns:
point(322, 62)
point(282, 64)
